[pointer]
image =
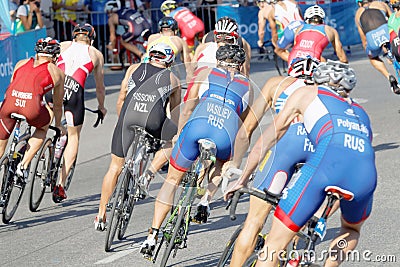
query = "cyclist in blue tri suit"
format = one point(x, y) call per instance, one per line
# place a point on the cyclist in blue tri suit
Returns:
point(344, 158)
point(216, 104)
point(278, 165)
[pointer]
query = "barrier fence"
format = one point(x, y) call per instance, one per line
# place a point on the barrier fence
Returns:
point(339, 14)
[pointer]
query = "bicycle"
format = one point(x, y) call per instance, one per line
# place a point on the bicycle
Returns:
point(46, 166)
point(316, 227)
point(12, 187)
point(266, 53)
point(127, 191)
point(176, 229)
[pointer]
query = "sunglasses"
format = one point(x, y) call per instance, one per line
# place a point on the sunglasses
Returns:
point(226, 38)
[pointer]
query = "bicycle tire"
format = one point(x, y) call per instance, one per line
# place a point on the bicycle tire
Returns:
point(69, 176)
point(251, 261)
point(127, 206)
point(175, 229)
point(3, 178)
point(41, 168)
point(15, 191)
point(115, 217)
point(227, 253)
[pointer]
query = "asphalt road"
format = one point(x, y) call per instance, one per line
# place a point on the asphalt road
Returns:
point(64, 235)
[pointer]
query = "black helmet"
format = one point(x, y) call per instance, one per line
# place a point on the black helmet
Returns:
point(84, 28)
point(168, 23)
point(230, 53)
point(48, 46)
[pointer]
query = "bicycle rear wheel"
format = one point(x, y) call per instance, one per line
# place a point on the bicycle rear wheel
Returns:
point(14, 190)
point(116, 215)
point(227, 253)
point(41, 169)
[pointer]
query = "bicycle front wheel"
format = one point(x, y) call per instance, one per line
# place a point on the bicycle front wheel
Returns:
point(116, 216)
point(227, 253)
point(41, 169)
point(70, 175)
point(133, 187)
point(14, 189)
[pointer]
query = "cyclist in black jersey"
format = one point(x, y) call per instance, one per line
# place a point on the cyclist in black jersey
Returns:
point(145, 92)
point(135, 25)
point(371, 20)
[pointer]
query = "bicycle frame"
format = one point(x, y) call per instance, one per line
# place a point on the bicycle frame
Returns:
point(207, 152)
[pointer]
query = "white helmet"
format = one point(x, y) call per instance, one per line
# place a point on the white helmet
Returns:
point(336, 73)
point(162, 53)
point(112, 6)
point(303, 68)
point(226, 25)
point(313, 11)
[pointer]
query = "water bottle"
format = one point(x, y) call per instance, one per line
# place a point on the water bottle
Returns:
point(60, 146)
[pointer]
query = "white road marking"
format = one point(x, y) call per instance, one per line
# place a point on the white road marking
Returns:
point(361, 100)
point(111, 87)
point(119, 254)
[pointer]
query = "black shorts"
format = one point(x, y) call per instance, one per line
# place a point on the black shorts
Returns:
point(156, 123)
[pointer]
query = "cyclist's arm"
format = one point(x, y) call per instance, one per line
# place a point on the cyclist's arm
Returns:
point(186, 56)
point(58, 92)
point(360, 31)
point(272, 25)
point(261, 27)
point(256, 112)
point(175, 98)
point(98, 73)
point(336, 43)
point(111, 26)
point(294, 107)
point(247, 49)
point(124, 87)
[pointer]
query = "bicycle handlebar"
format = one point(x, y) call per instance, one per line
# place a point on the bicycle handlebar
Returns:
point(273, 199)
point(100, 116)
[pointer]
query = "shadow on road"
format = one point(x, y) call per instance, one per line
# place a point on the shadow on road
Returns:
point(386, 146)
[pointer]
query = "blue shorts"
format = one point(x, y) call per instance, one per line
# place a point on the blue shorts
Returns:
point(375, 39)
point(278, 165)
point(330, 165)
point(186, 149)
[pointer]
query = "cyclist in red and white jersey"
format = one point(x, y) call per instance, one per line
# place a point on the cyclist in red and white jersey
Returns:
point(311, 38)
point(189, 25)
point(32, 78)
point(78, 59)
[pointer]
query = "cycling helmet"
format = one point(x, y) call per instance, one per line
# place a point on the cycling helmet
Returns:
point(112, 6)
point(168, 23)
point(230, 55)
point(47, 47)
point(314, 11)
point(168, 5)
point(303, 68)
point(226, 25)
point(339, 76)
point(162, 53)
point(86, 29)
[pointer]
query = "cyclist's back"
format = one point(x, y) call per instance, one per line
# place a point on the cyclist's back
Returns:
point(217, 115)
point(134, 22)
point(311, 40)
point(372, 17)
point(285, 12)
